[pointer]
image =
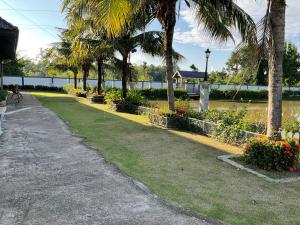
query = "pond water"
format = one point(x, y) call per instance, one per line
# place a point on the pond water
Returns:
point(256, 110)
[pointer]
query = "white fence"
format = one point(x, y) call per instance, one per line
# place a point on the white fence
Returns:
point(195, 88)
point(191, 88)
point(60, 82)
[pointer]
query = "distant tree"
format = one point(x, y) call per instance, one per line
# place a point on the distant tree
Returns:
point(262, 73)
point(242, 65)
point(15, 67)
point(219, 77)
point(194, 68)
point(291, 64)
point(245, 69)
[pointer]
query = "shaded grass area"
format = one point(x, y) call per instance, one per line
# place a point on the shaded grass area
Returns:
point(178, 166)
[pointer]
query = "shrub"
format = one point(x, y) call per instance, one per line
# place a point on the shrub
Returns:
point(161, 94)
point(182, 106)
point(195, 115)
point(242, 94)
point(47, 88)
point(3, 94)
point(291, 125)
point(254, 126)
point(114, 96)
point(248, 94)
point(134, 98)
point(80, 93)
point(272, 155)
point(69, 88)
point(229, 125)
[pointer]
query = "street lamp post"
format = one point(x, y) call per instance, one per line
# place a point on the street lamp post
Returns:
point(207, 53)
point(204, 87)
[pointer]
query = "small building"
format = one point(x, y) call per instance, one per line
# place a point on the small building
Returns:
point(9, 36)
point(183, 77)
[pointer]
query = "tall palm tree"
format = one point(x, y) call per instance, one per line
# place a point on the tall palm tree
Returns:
point(61, 53)
point(272, 41)
point(150, 42)
point(101, 50)
point(218, 16)
point(82, 50)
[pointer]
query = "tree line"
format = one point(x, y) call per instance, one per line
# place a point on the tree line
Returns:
point(242, 68)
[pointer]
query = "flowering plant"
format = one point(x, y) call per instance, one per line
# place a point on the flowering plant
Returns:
point(272, 155)
point(182, 106)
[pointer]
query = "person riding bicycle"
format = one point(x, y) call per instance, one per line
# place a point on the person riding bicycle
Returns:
point(16, 94)
point(14, 89)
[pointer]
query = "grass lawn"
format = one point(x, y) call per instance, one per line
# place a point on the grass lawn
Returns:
point(179, 166)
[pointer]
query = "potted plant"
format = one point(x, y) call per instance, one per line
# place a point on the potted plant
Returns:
point(95, 98)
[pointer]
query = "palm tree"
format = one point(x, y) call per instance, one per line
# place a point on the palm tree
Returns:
point(218, 16)
point(273, 41)
point(269, 44)
point(61, 54)
point(150, 42)
point(101, 50)
point(82, 50)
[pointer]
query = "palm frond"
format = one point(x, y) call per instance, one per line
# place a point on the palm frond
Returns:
point(219, 16)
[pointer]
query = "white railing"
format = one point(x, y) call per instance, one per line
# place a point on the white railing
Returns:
point(191, 88)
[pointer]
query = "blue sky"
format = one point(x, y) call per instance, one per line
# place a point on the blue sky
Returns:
point(38, 19)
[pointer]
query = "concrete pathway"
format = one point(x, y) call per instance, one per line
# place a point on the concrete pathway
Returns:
point(48, 176)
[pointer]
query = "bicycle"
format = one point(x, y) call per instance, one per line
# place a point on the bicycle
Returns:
point(16, 96)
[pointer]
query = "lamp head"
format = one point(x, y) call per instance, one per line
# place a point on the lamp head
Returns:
point(207, 52)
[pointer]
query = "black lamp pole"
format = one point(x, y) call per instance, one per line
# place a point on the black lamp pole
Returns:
point(207, 52)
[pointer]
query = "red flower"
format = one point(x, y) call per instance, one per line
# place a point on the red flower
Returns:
point(292, 169)
point(287, 146)
point(298, 146)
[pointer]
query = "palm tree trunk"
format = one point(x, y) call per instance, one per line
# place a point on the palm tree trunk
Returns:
point(100, 67)
point(277, 18)
point(169, 25)
point(85, 75)
point(124, 76)
point(75, 72)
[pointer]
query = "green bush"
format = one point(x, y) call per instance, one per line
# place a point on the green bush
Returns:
point(114, 96)
point(229, 125)
point(242, 94)
point(254, 126)
point(161, 94)
point(36, 88)
point(272, 155)
point(182, 106)
point(69, 89)
point(229, 94)
point(46, 88)
point(3, 94)
point(134, 98)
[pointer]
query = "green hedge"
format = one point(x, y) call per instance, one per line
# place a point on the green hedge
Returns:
point(161, 94)
point(245, 94)
point(216, 94)
point(37, 88)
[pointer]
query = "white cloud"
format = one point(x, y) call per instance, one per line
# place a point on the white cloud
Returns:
point(195, 35)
